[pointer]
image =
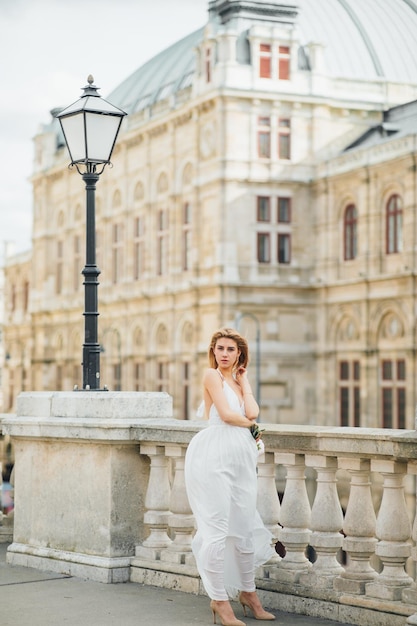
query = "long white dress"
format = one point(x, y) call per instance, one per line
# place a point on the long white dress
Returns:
point(221, 482)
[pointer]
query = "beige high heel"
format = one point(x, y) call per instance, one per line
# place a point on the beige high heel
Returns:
point(258, 612)
point(215, 610)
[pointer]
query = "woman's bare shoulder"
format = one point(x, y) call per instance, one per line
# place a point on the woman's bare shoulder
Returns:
point(210, 374)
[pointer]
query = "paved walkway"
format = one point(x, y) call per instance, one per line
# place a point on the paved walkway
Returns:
point(29, 597)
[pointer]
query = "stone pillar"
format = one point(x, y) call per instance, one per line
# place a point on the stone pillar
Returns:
point(181, 521)
point(409, 595)
point(268, 502)
point(268, 505)
point(393, 530)
point(161, 561)
point(295, 518)
point(79, 480)
point(359, 528)
point(157, 500)
point(326, 524)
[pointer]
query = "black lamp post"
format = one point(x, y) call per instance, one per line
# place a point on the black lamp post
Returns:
point(90, 128)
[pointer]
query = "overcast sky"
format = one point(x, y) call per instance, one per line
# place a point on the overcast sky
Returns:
point(47, 50)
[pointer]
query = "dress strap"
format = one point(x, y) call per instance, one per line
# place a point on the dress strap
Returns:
point(221, 375)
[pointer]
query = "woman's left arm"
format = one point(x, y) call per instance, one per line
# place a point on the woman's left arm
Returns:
point(251, 406)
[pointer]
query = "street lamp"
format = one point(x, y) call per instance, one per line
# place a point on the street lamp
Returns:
point(90, 128)
point(258, 350)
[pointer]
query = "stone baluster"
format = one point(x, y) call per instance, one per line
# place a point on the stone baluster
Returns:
point(1, 485)
point(326, 524)
point(359, 528)
point(393, 530)
point(181, 521)
point(157, 501)
point(295, 519)
point(409, 595)
point(268, 504)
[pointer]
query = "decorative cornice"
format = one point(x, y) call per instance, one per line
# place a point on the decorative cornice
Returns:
point(264, 10)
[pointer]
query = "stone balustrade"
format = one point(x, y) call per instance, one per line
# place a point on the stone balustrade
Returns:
point(345, 513)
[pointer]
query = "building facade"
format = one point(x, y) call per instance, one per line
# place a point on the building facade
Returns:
point(264, 178)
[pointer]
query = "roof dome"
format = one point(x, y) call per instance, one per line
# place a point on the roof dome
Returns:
point(372, 40)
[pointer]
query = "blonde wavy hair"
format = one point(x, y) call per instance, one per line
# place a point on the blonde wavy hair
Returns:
point(242, 346)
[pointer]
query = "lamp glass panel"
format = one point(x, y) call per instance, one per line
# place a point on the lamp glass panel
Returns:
point(73, 127)
point(101, 131)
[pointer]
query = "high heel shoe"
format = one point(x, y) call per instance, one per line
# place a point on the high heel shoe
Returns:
point(215, 610)
point(258, 611)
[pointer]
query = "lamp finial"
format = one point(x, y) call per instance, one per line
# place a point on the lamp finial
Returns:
point(90, 89)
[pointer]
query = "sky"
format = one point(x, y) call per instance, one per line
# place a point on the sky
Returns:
point(47, 50)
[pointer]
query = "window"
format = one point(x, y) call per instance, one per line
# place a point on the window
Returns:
point(162, 243)
point(265, 61)
point(138, 248)
point(263, 209)
point(393, 374)
point(284, 211)
point(264, 137)
point(139, 376)
point(208, 65)
point(13, 298)
point(117, 249)
point(186, 237)
point(25, 296)
point(264, 248)
point(117, 376)
point(186, 391)
point(284, 248)
point(59, 378)
point(349, 393)
point(59, 266)
point(162, 383)
point(394, 224)
point(283, 63)
point(284, 139)
point(350, 233)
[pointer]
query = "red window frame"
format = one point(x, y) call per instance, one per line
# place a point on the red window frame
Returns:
point(284, 138)
point(284, 63)
point(264, 247)
point(284, 248)
point(263, 209)
point(349, 393)
point(283, 210)
point(394, 222)
point(264, 137)
point(350, 226)
point(264, 60)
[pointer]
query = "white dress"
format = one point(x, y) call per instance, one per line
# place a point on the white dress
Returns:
point(221, 482)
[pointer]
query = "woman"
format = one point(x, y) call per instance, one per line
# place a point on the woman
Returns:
point(220, 474)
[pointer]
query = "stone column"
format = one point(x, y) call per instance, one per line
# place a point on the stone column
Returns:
point(295, 518)
point(359, 528)
point(268, 502)
point(393, 530)
point(181, 521)
point(79, 479)
point(409, 595)
point(268, 505)
point(326, 524)
point(157, 500)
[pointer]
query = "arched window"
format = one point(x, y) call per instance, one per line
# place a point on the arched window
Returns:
point(350, 233)
point(394, 224)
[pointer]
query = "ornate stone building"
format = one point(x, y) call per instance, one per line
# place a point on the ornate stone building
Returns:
point(264, 178)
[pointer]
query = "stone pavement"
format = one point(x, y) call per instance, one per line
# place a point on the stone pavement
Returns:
point(29, 597)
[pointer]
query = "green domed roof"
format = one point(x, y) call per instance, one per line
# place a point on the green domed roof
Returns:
point(362, 39)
